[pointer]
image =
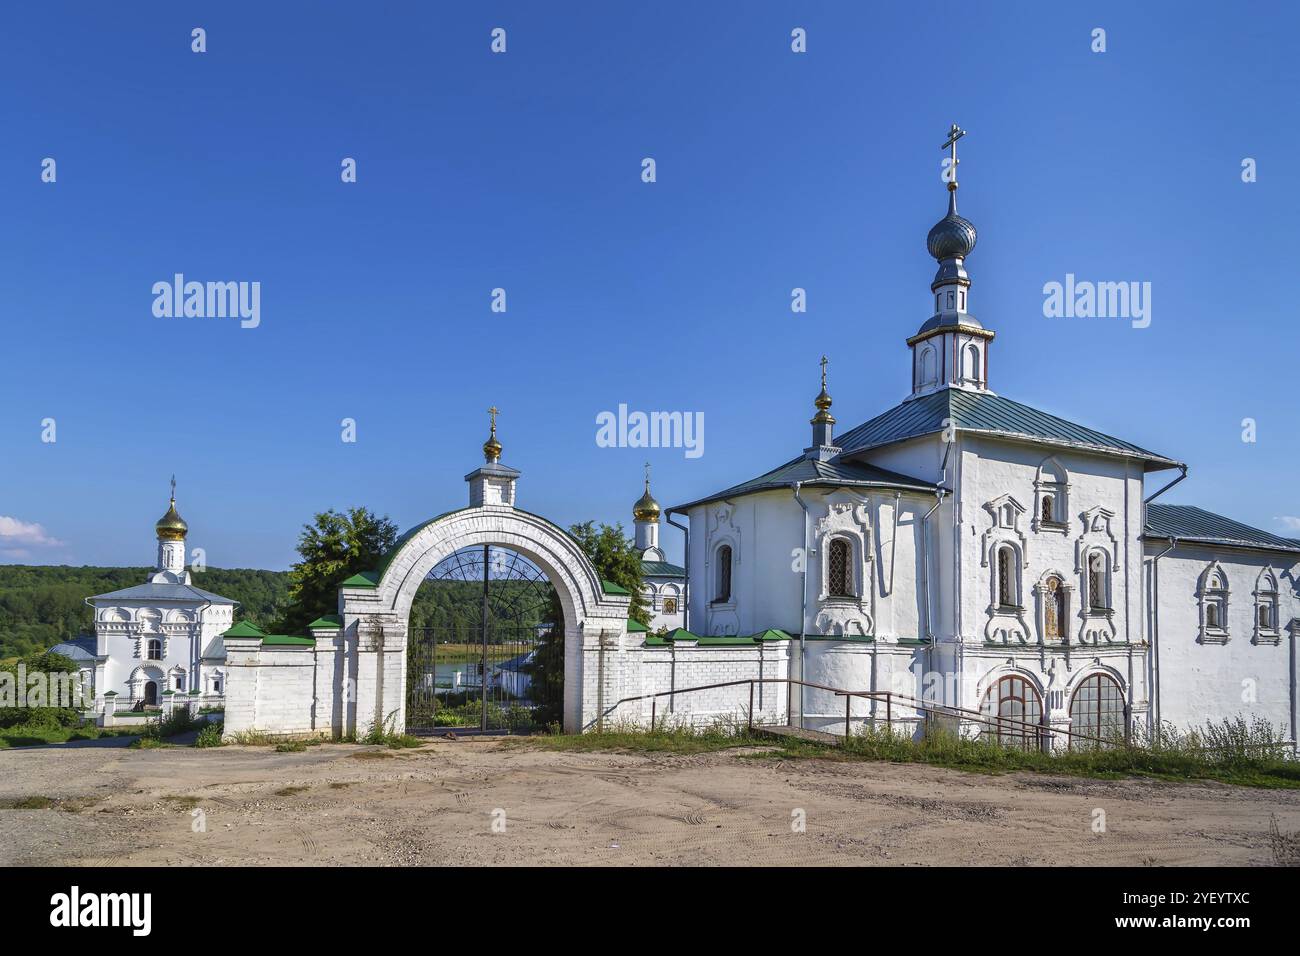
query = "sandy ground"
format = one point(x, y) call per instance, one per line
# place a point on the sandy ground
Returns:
point(437, 805)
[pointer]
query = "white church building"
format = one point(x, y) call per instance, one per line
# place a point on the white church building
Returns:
point(960, 551)
point(161, 639)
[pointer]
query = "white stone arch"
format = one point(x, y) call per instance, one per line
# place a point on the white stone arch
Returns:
point(1010, 668)
point(375, 620)
point(141, 676)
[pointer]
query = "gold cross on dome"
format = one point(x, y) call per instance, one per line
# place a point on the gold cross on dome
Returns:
point(823, 371)
point(494, 411)
point(173, 487)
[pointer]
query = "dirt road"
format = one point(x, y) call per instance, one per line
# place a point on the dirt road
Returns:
point(446, 803)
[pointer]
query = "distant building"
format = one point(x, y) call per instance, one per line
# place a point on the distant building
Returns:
point(162, 637)
point(662, 583)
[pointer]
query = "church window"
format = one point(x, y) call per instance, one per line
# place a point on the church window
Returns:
point(154, 649)
point(950, 300)
point(1214, 605)
point(1016, 712)
point(929, 372)
point(1266, 615)
point(1098, 599)
point(1097, 710)
point(971, 369)
point(1048, 514)
point(180, 681)
point(839, 570)
point(723, 592)
point(216, 685)
point(961, 298)
point(1008, 578)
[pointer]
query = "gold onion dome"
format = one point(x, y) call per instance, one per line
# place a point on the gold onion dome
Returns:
point(646, 508)
point(171, 526)
point(492, 447)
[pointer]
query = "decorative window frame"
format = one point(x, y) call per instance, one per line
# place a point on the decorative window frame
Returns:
point(723, 619)
point(1005, 624)
point(1096, 624)
point(848, 519)
point(1041, 597)
point(1052, 479)
point(1206, 595)
point(1266, 596)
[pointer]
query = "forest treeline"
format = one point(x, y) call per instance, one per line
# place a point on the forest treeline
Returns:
point(41, 605)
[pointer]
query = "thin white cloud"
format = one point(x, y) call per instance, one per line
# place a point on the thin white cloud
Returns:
point(18, 536)
point(1290, 522)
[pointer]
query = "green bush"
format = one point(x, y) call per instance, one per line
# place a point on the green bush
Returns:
point(210, 734)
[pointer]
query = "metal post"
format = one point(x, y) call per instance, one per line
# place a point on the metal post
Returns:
point(751, 706)
point(654, 705)
point(848, 702)
point(889, 711)
point(483, 675)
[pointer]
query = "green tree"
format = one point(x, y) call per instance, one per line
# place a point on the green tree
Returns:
point(334, 547)
point(616, 560)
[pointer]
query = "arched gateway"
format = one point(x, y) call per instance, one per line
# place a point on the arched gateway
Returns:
point(350, 675)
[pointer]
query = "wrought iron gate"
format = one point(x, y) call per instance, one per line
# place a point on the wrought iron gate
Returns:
point(489, 654)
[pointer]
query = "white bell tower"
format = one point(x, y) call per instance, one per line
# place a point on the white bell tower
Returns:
point(951, 349)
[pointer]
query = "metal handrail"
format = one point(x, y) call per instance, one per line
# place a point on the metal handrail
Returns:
point(941, 710)
point(1040, 731)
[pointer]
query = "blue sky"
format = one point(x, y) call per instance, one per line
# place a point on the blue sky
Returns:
point(522, 171)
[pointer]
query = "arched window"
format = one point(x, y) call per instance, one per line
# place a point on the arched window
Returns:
point(1266, 613)
point(839, 570)
point(1097, 710)
point(1008, 578)
point(154, 650)
point(722, 592)
point(1098, 596)
point(1017, 712)
point(1049, 514)
point(971, 367)
point(929, 373)
point(1214, 605)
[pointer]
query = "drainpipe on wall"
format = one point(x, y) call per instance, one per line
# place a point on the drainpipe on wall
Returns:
point(925, 566)
point(686, 586)
point(1155, 635)
point(1155, 601)
point(803, 603)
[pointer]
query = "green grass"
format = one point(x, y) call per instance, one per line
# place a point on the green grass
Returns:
point(1231, 751)
point(673, 739)
point(36, 736)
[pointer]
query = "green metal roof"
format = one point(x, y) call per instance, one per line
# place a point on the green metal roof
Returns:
point(662, 569)
point(989, 413)
point(1196, 525)
point(681, 634)
point(329, 620)
point(635, 627)
point(245, 629)
point(609, 587)
point(810, 471)
point(366, 579)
